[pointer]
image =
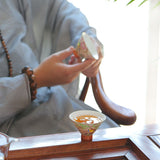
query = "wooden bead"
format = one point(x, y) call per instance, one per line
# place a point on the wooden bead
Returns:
point(7, 55)
point(3, 43)
point(10, 70)
point(33, 86)
point(31, 77)
point(29, 72)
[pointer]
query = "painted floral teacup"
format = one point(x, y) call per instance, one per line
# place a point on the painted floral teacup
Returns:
point(87, 122)
point(87, 47)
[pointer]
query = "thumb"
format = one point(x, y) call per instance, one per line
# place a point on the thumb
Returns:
point(66, 52)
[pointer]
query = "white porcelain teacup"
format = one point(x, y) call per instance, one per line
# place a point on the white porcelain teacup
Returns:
point(86, 47)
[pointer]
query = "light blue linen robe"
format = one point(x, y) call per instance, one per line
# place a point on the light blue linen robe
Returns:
point(33, 29)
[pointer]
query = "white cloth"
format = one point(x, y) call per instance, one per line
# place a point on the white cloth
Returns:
point(33, 29)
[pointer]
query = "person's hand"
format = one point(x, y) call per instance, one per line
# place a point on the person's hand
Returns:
point(93, 69)
point(52, 71)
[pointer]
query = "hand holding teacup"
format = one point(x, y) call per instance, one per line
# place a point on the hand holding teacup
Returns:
point(89, 48)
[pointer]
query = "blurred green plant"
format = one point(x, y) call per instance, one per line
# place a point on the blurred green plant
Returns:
point(134, 0)
point(142, 2)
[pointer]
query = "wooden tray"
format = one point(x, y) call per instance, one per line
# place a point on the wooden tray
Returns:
point(108, 144)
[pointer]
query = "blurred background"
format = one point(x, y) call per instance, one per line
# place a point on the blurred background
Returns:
point(130, 68)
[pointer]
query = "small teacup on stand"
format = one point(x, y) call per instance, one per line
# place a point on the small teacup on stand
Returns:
point(86, 128)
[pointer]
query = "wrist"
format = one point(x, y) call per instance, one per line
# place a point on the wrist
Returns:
point(39, 80)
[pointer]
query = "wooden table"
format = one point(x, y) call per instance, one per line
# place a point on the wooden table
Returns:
point(122, 143)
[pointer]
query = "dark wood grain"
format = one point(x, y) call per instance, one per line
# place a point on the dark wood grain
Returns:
point(117, 143)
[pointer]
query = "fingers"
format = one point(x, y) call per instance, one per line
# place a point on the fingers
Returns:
point(94, 66)
point(79, 67)
point(100, 53)
point(71, 60)
point(93, 69)
point(89, 67)
point(65, 53)
point(91, 72)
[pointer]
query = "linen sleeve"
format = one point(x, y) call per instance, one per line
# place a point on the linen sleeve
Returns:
point(14, 96)
point(67, 23)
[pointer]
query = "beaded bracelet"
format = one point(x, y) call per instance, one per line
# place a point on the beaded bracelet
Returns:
point(33, 85)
